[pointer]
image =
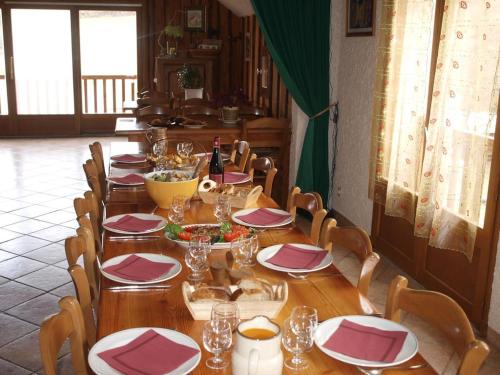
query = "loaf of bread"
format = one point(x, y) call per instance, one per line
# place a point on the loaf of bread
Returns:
point(210, 293)
point(253, 289)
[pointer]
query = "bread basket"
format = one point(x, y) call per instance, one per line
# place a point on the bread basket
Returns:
point(237, 201)
point(201, 310)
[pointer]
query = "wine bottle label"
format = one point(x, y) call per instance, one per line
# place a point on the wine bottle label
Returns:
point(216, 177)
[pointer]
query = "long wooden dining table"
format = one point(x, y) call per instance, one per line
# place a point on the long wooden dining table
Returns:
point(327, 290)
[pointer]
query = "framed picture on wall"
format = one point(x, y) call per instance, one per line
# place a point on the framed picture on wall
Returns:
point(360, 17)
point(195, 18)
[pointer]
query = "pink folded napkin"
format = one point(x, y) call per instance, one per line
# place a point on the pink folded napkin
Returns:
point(263, 216)
point(367, 343)
point(128, 158)
point(290, 256)
point(150, 353)
point(232, 177)
point(136, 268)
point(129, 223)
point(128, 179)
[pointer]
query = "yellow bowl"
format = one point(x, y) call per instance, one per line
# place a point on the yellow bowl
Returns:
point(162, 193)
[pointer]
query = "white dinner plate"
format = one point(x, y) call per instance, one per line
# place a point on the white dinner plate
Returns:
point(250, 210)
point(111, 179)
point(215, 246)
point(328, 327)
point(245, 180)
point(174, 271)
point(225, 157)
point(120, 338)
point(128, 162)
point(268, 252)
point(194, 126)
point(112, 219)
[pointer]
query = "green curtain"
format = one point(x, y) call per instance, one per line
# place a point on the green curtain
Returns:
point(297, 34)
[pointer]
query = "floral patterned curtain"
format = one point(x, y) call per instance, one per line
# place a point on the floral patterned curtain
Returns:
point(400, 104)
point(463, 116)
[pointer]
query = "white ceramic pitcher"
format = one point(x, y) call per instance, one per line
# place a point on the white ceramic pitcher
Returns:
point(257, 356)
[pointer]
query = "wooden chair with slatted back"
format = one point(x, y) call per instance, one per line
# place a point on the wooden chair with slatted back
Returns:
point(92, 176)
point(83, 245)
point(89, 213)
point(443, 313)
point(264, 165)
point(55, 329)
point(240, 154)
point(82, 289)
point(356, 240)
point(310, 202)
point(98, 157)
point(154, 111)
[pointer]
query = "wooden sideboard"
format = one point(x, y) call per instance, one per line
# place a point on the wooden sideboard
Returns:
point(167, 68)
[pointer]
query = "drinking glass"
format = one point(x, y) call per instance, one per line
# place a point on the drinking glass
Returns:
point(176, 212)
point(222, 209)
point(184, 149)
point(304, 320)
point(227, 311)
point(217, 339)
point(296, 345)
point(241, 251)
point(201, 241)
point(196, 260)
point(254, 245)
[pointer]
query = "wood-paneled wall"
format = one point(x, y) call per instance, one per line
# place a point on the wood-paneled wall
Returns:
point(275, 98)
point(229, 28)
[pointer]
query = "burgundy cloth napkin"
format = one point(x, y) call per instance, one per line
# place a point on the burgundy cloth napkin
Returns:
point(290, 256)
point(129, 223)
point(137, 268)
point(231, 177)
point(127, 158)
point(128, 179)
point(148, 354)
point(263, 216)
point(367, 343)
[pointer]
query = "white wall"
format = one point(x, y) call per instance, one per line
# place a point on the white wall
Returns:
point(353, 83)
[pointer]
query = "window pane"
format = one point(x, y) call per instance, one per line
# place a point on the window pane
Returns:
point(43, 61)
point(4, 109)
point(108, 48)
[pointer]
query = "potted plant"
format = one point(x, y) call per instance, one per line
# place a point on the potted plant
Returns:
point(169, 35)
point(189, 79)
point(229, 105)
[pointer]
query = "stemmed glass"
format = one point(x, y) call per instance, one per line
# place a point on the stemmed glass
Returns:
point(217, 339)
point(241, 251)
point(227, 311)
point(254, 246)
point(295, 344)
point(184, 149)
point(176, 212)
point(304, 320)
point(196, 257)
point(222, 209)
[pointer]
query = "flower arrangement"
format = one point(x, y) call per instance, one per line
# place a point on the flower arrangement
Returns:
point(233, 99)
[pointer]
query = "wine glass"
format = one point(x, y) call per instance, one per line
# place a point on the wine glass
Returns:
point(254, 246)
point(241, 251)
point(196, 260)
point(222, 209)
point(227, 311)
point(176, 212)
point(217, 339)
point(304, 320)
point(184, 149)
point(296, 345)
point(202, 241)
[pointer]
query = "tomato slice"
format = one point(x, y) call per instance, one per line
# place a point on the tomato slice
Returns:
point(184, 236)
point(188, 229)
point(228, 237)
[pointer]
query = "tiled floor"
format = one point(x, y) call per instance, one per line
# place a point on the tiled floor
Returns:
point(39, 180)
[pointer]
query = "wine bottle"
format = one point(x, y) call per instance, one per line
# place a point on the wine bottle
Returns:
point(216, 167)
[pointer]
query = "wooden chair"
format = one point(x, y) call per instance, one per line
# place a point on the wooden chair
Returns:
point(55, 329)
point(89, 213)
point(98, 157)
point(155, 110)
point(310, 202)
point(92, 175)
point(443, 313)
point(83, 245)
point(355, 240)
point(82, 289)
point(264, 165)
point(240, 153)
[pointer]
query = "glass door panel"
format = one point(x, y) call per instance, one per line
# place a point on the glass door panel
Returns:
point(108, 53)
point(43, 61)
point(4, 108)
